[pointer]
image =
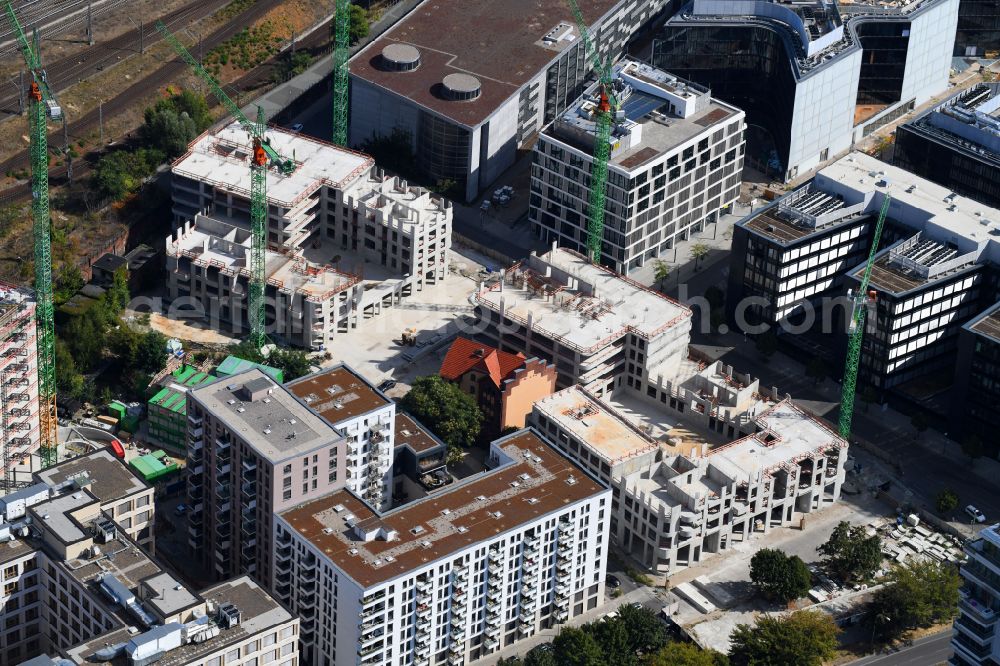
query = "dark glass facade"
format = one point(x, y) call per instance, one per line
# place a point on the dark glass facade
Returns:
point(978, 28)
point(747, 66)
point(883, 62)
point(443, 149)
point(931, 154)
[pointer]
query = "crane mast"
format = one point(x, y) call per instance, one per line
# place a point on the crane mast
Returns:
point(602, 140)
point(856, 330)
point(262, 155)
point(41, 104)
point(341, 40)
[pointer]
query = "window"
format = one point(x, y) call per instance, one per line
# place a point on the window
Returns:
point(287, 494)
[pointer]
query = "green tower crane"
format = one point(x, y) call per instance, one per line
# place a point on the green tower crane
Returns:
point(263, 155)
point(341, 41)
point(856, 330)
point(602, 140)
point(41, 105)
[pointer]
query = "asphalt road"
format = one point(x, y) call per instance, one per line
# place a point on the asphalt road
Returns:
point(927, 651)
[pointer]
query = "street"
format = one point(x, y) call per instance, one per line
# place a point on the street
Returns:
point(927, 651)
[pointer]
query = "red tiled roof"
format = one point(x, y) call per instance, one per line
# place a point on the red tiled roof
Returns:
point(465, 355)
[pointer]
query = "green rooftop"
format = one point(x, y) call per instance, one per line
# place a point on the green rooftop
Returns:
point(151, 466)
point(233, 365)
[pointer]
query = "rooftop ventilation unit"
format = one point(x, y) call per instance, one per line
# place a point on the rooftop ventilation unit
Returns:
point(104, 530)
point(461, 87)
point(229, 616)
point(400, 58)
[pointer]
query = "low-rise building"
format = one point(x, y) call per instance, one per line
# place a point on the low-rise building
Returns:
point(166, 411)
point(344, 240)
point(600, 329)
point(452, 577)
point(676, 155)
point(505, 385)
point(974, 640)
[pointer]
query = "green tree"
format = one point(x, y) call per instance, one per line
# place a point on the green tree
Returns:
point(168, 131)
point(68, 282)
point(510, 661)
point(293, 363)
point(661, 271)
point(455, 455)
point(851, 553)
point(576, 647)
point(613, 638)
point(804, 638)
point(686, 654)
point(151, 353)
point(817, 369)
point(766, 344)
point(122, 172)
point(448, 411)
point(541, 656)
point(946, 501)
point(779, 576)
point(916, 595)
point(84, 336)
point(646, 634)
point(194, 105)
point(699, 251)
point(123, 343)
point(69, 382)
point(118, 295)
point(359, 24)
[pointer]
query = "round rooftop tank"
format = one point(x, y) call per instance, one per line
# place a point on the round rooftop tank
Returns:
point(461, 87)
point(400, 57)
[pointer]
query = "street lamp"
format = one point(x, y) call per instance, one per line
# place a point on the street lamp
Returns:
point(878, 616)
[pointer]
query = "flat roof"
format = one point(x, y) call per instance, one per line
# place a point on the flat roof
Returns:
point(337, 394)
point(409, 432)
point(787, 433)
point(502, 44)
point(605, 306)
point(468, 512)
point(600, 429)
point(168, 595)
point(274, 423)
point(987, 323)
point(223, 159)
point(110, 480)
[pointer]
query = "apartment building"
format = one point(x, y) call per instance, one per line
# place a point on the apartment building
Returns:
point(466, 104)
point(453, 577)
point(974, 401)
point(974, 640)
point(956, 144)
point(814, 77)
point(253, 449)
point(600, 329)
point(77, 589)
point(19, 437)
point(504, 385)
point(675, 162)
point(676, 502)
point(344, 240)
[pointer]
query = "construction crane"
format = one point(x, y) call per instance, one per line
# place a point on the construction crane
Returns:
point(856, 329)
point(602, 140)
point(341, 40)
point(41, 106)
point(262, 155)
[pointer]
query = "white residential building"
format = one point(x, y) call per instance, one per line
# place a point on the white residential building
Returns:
point(975, 640)
point(452, 577)
point(19, 427)
point(344, 240)
point(675, 163)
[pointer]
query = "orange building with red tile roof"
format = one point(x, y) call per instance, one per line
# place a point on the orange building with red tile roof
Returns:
point(505, 385)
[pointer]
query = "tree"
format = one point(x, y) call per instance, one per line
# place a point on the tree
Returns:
point(293, 363)
point(613, 638)
point(917, 595)
point(686, 654)
point(118, 295)
point(576, 647)
point(817, 369)
point(543, 655)
point(699, 251)
point(767, 344)
point(779, 576)
point(151, 354)
point(646, 634)
point(850, 553)
point(167, 130)
point(946, 501)
point(69, 383)
point(804, 638)
point(122, 172)
point(661, 271)
point(359, 24)
point(510, 661)
point(68, 283)
point(448, 411)
point(192, 104)
point(972, 446)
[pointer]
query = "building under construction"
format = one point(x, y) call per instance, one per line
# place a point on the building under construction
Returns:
point(344, 240)
point(18, 382)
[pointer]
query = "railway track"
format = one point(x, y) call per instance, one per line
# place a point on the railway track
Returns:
point(157, 79)
point(68, 71)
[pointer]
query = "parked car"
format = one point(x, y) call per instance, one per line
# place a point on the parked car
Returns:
point(975, 514)
point(180, 510)
point(386, 385)
point(612, 582)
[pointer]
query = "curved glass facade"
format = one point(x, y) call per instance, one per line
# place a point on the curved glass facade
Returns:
point(443, 149)
point(747, 66)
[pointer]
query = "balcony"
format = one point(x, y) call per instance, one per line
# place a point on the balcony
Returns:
point(562, 615)
point(528, 606)
point(194, 420)
point(565, 528)
point(491, 643)
point(494, 557)
point(975, 631)
point(369, 599)
point(530, 564)
point(195, 433)
point(492, 608)
point(458, 635)
point(423, 586)
point(421, 652)
point(248, 466)
point(531, 543)
point(196, 444)
point(421, 661)
point(561, 602)
point(529, 581)
point(977, 609)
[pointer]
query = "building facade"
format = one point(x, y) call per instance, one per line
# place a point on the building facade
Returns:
point(453, 578)
point(19, 437)
point(814, 78)
point(978, 29)
point(465, 106)
point(676, 160)
point(600, 329)
point(166, 411)
point(344, 240)
point(974, 640)
point(956, 144)
point(974, 401)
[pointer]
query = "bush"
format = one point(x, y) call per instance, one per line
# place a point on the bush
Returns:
point(946, 501)
point(804, 638)
point(123, 172)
